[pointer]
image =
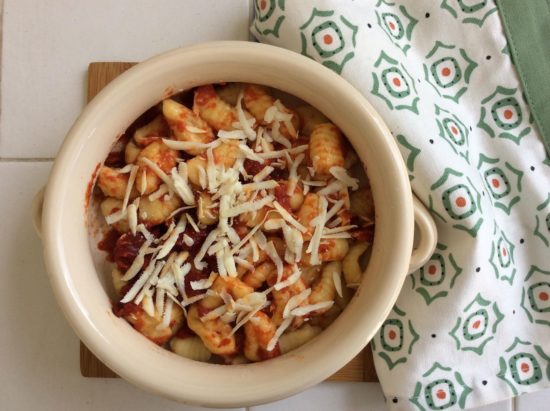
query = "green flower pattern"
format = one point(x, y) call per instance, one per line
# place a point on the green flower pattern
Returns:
point(475, 159)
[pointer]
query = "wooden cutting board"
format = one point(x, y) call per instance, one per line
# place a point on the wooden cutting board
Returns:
point(360, 368)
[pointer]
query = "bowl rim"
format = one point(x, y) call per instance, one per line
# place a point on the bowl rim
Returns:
point(93, 333)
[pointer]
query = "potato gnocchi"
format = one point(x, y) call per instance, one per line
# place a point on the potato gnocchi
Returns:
point(237, 232)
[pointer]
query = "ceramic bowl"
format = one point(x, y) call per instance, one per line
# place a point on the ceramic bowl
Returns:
point(79, 285)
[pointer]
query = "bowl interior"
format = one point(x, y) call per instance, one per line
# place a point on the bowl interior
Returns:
point(75, 275)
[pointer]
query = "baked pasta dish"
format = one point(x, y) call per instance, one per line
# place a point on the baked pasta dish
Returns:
point(240, 220)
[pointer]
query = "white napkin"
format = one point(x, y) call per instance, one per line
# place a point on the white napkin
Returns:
point(473, 325)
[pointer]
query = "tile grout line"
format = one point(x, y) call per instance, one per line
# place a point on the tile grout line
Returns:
point(2, 13)
point(251, 15)
point(514, 405)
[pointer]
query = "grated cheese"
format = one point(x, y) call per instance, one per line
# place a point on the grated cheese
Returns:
point(295, 242)
point(288, 218)
point(179, 272)
point(334, 209)
point(202, 176)
point(167, 283)
point(332, 188)
point(172, 238)
point(337, 230)
point(232, 135)
point(208, 241)
point(126, 169)
point(129, 186)
point(245, 125)
point(178, 210)
point(260, 185)
point(143, 230)
point(216, 247)
point(158, 171)
point(272, 253)
point(278, 137)
point(293, 174)
point(132, 218)
point(215, 313)
point(143, 183)
point(195, 130)
point(243, 263)
point(137, 264)
point(263, 173)
point(274, 224)
point(220, 264)
point(135, 289)
point(291, 279)
point(245, 319)
point(193, 300)
point(337, 235)
point(248, 206)
point(306, 309)
point(163, 189)
point(281, 153)
point(233, 236)
point(167, 316)
point(261, 239)
point(151, 281)
point(314, 183)
point(335, 223)
point(147, 304)
point(246, 238)
point(204, 283)
point(229, 263)
point(188, 241)
point(269, 115)
point(159, 300)
point(175, 300)
point(255, 250)
point(342, 175)
point(280, 330)
point(337, 279)
point(186, 145)
point(319, 222)
point(295, 301)
point(228, 316)
point(286, 118)
point(211, 171)
point(192, 223)
point(181, 184)
point(122, 213)
point(250, 154)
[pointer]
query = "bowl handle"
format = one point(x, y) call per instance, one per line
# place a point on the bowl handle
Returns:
point(37, 203)
point(426, 234)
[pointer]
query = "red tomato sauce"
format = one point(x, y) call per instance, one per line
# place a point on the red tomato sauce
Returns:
point(108, 243)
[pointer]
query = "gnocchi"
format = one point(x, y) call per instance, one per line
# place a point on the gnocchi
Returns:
point(186, 125)
point(211, 108)
point(150, 132)
point(241, 232)
point(325, 148)
point(191, 347)
point(259, 102)
point(351, 267)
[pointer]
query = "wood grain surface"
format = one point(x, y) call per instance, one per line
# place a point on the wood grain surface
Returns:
point(360, 368)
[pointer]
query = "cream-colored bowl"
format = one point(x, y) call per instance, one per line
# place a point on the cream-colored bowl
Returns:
point(80, 289)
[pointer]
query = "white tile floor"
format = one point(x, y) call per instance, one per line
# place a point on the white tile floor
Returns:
point(38, 351)
point(47, 46)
